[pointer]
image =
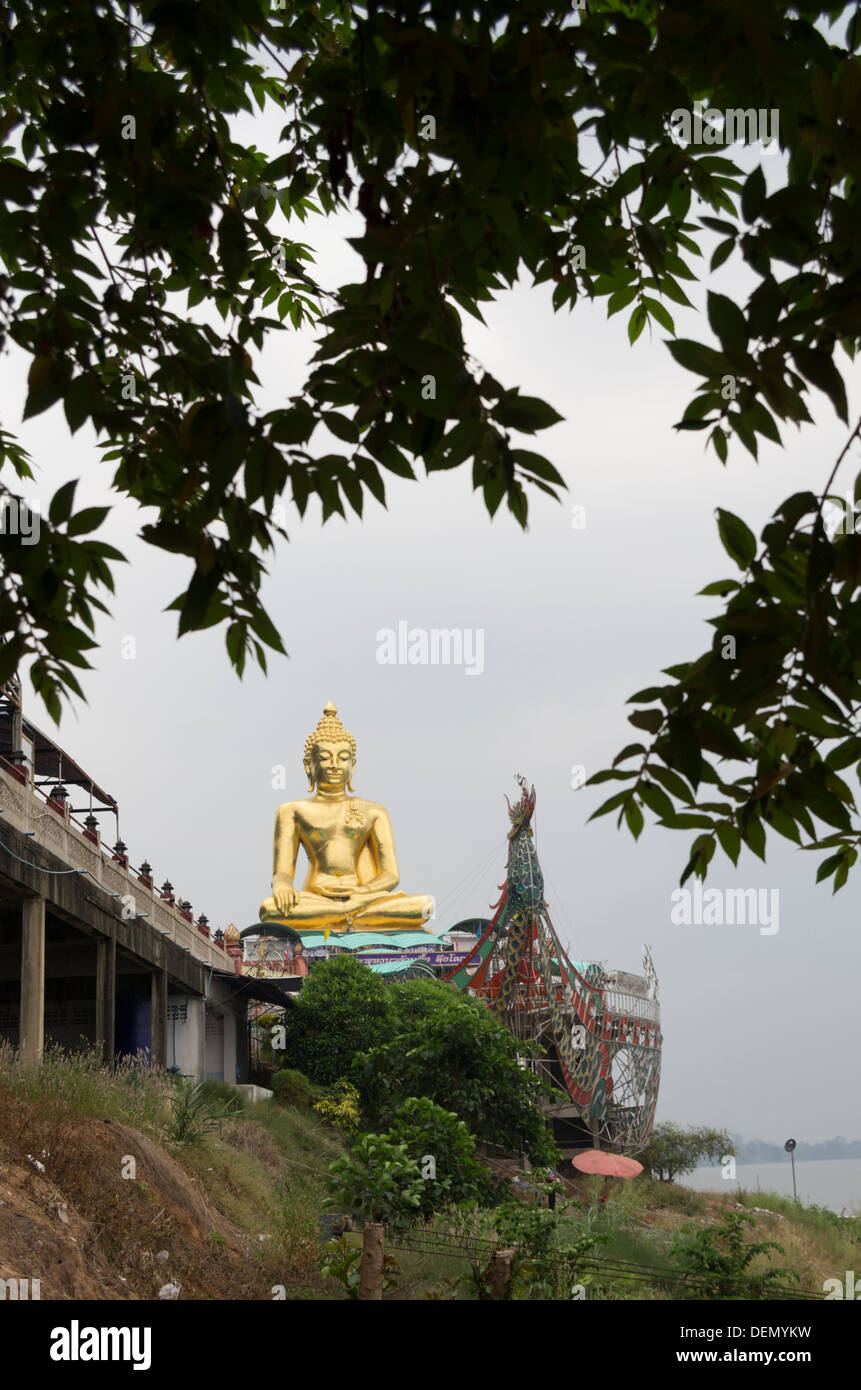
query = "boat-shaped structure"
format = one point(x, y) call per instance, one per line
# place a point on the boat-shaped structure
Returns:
point(598, 1031)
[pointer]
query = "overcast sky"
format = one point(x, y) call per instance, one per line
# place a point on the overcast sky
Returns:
point(760, 1031)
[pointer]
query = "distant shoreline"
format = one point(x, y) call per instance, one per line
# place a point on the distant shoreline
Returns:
point(784, 1158)
point(834, 1183)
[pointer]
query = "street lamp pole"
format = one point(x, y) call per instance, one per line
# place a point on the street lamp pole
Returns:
point(790, 1149)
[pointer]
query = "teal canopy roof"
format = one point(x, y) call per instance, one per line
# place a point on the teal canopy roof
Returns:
point(359, 941)
point(392, 967)
point(416, 938)
point(583, 968)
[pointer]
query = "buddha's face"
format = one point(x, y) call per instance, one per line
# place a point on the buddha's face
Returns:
point(331, 765)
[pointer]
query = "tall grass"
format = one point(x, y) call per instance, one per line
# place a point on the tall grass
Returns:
point(66, 1084)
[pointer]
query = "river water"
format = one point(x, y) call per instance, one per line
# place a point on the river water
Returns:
point(834, 1183)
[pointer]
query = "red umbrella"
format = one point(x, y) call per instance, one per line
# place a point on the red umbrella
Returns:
point(611, 1165)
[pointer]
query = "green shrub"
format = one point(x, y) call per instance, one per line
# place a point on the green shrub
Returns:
point(720, 1257)
point(377, 1181)
point(339, 1105)
point(445, 1150)
point(292, 1087)
point(343, 1008)
point(454, 1051)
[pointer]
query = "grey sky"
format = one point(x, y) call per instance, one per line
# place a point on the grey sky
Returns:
point(759, 1030)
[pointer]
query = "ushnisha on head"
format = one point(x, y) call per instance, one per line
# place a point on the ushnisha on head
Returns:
point(330, 754)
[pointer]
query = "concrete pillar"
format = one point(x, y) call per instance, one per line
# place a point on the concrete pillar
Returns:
point(106, 997)
point(230, 1054)
point(158, 1035)
point(194, 1057)
point(186, 1036)
point(33, 979)
point(243, 1048)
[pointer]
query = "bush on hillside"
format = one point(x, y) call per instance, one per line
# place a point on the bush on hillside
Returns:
point(291, 1087)
point(339, 1105)
point(445, 1151)
point(376, 1181)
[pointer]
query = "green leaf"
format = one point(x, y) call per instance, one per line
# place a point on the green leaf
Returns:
point(673, 783)
point(636, 323)
point(685, 749)
point(657, 311)
point(628, 752)
point(753, 194)
point(633, 818)
point(610, 804)
point(61, 504)
point(47, 380)
point(90, 519)
point(754, 837)
point(620, 299)
point(730, 840)
point(696, 357)
point(195, 607)
point(718, 440)
point(737, 538)
point(722, 253)
point(525, 413)
point(846, 753)
point(656, 799)
point(721, 587)
point(828, 866)
point(538, 466)
point(648, 719)
point(344, 429)
point(232, 244)
point(818, 366)
point(727, 321)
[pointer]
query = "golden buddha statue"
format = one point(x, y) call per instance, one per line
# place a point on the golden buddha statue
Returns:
point(352, 868)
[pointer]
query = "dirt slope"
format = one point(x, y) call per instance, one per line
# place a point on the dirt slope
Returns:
point(70, 1218)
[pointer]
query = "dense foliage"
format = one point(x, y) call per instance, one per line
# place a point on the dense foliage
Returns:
point(342, 1009)
point(149, 253)
point(376, 1181)
point(431, 1132)
point(456, 1053)
point(416, 1039)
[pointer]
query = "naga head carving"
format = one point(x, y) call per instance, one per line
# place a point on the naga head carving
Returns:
point(520, 813)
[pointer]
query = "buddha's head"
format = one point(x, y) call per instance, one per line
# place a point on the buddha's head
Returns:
point(330, 754)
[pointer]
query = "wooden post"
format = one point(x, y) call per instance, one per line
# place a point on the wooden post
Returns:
point(371, 1281)
point(499, 1273)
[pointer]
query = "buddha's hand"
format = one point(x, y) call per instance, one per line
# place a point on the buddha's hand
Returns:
point(337, 887)
point(285, 896)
